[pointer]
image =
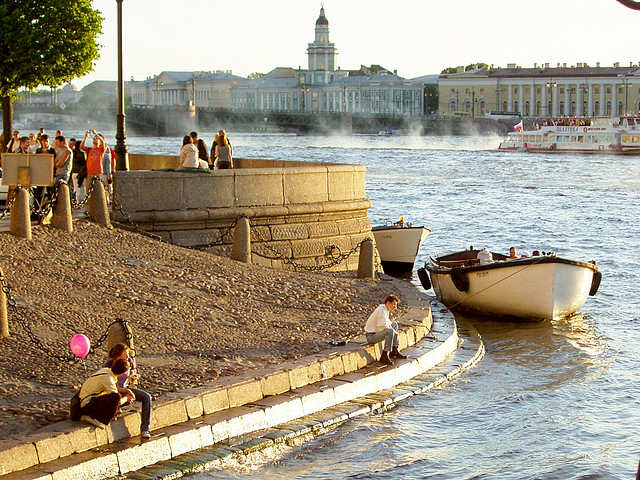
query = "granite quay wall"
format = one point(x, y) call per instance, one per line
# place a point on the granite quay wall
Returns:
point(228, 408)
point(303, 215)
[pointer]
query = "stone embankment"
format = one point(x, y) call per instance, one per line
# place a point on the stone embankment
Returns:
point(276, 406)
point(220, 345)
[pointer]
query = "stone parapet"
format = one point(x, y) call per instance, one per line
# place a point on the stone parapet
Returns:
point(302, 215)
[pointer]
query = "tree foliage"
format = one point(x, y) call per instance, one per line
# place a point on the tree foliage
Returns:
point(45, 42)
point(472, 66)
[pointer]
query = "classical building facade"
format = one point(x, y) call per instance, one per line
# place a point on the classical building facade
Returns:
point(322, 87)
point(202, 89)
point(541, 91)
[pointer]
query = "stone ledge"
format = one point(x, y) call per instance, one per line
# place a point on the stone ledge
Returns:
point(191, 404)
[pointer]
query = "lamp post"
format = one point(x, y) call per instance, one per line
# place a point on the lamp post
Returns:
point(157, 83)
point(122, 160)
point(473, 102)
point(571, 91)
point(551, 86)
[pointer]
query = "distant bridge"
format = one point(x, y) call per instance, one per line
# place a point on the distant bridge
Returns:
point(176, 120)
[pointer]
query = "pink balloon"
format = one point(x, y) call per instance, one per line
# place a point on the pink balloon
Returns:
point(80, 345)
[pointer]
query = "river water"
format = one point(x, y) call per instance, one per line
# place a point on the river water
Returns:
point(551, 399)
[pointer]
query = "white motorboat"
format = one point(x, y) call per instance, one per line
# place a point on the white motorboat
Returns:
point(538, 287)
point(398, 244)
point(616, 135)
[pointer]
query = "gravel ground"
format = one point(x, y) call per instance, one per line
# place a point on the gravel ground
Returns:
point(195, 317)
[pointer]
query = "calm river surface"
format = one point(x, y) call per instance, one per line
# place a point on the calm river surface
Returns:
point(551, 400)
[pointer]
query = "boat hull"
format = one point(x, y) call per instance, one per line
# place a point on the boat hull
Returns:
point(531, 288)
point(398, 247)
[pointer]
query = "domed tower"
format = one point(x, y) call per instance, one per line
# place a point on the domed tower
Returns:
point(322, 53)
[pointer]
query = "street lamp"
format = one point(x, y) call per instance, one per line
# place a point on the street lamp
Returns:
point(550, 86)
point(122, 160)
point(571, 91)
point(157, 83)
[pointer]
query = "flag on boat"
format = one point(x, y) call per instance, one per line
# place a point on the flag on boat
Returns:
point(518, 126)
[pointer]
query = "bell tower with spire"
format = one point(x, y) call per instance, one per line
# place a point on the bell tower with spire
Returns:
point(322, 53)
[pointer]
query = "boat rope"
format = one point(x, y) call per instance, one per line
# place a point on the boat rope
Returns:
point(494, 284)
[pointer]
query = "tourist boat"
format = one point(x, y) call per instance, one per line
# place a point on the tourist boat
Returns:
point(617, 135)
point(398, 244)
point(537, 287)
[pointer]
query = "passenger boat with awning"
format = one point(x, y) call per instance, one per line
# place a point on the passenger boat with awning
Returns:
point(615, 135)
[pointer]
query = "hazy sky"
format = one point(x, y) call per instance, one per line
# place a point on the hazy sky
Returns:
point(414, 37)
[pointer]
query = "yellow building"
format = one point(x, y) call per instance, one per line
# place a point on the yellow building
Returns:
point(541, 91)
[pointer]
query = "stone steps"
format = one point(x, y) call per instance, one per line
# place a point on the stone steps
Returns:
point(199, 418)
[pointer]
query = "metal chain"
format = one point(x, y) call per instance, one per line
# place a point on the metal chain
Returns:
point(9, 204)
point(119, 208)
point(22, 321)
point(87, 195)
point(329, 252)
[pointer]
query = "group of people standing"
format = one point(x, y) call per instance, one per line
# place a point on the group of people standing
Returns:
point(73, 161)
point(194, 152)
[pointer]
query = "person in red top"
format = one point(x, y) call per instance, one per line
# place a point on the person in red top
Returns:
point(94, 155)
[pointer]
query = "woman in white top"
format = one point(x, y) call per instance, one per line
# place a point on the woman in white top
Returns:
point(189, 155)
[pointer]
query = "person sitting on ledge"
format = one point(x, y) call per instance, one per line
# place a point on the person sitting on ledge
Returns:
point(125, 386)
point(379, 327)
point(189, 155)
point(99, 397)
point(513, 254)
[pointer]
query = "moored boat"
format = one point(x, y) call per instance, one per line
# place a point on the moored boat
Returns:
point(398, 244)
point(616, 135)
point(538, 287)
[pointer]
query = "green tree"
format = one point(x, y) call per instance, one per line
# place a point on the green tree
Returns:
point(473, 66)
point(48, 42)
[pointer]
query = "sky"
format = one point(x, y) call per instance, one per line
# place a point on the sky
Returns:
point(414, 37)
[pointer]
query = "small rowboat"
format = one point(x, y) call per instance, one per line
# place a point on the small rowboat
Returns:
point(539, 287)
point(398, 245)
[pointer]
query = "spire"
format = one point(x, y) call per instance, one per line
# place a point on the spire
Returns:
point(322, 20)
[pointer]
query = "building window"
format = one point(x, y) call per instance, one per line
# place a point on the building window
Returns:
point(596, 109)
point(561, 108)
point(538, 90)
point(538, 109)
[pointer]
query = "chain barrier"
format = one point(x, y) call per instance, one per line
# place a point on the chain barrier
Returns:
point(9, 203)
point(330, 250)
point(47, 205)
point(336, 259)
point(87, 195)
point(118, 207)
point(22, 321)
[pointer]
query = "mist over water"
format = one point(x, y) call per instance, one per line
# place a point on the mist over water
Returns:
point(551, 400)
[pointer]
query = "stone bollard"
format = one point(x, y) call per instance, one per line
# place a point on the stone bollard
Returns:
point(241, 249)
point(98, 210)
point(119, 332)
point(4, 320)
point(20, 225)
point(62, 219)
point(366, 266)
